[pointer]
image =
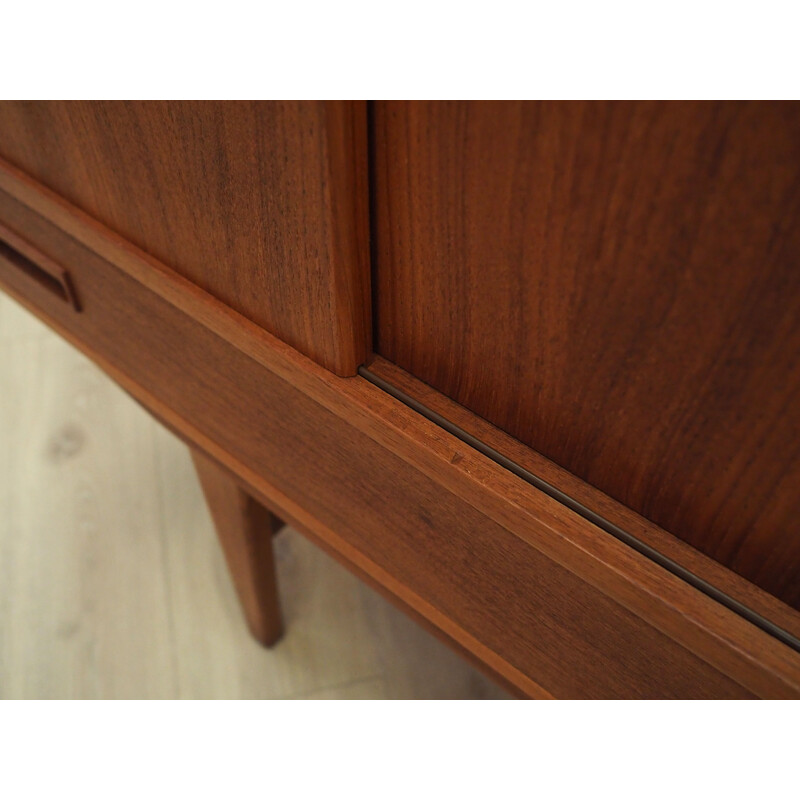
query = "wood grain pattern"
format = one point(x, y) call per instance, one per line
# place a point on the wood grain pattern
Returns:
point(261, 204)
point(245, 529)
point(546, 602)
point(617, 286)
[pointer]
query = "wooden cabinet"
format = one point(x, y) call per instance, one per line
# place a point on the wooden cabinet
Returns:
point(571, 445)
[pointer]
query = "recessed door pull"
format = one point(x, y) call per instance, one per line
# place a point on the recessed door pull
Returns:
point(19, 255)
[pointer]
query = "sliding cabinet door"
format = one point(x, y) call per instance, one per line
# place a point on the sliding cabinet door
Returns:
point(617, 285)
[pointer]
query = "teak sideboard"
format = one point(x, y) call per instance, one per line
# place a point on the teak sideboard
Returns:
point(532, 369)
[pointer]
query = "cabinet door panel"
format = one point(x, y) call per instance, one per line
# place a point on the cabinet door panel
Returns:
point(262, 204)
point(617, 285)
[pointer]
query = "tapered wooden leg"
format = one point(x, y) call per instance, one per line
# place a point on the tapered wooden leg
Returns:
point(245, 530)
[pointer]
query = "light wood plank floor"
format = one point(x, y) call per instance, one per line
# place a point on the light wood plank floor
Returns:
point(112, 584)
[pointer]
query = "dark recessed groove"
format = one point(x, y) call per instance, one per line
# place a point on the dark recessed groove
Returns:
point(629, 539)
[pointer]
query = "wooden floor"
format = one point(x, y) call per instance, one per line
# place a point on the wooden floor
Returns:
point(112, 584)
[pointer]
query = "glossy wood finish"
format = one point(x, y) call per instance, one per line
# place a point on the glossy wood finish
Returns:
point(264, 205)
point(245, 529)
point(617, 286)
point(546, 602)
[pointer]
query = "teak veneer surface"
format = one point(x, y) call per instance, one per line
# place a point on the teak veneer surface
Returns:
point(617, 285)
point(544, 600)
point(262, 204)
